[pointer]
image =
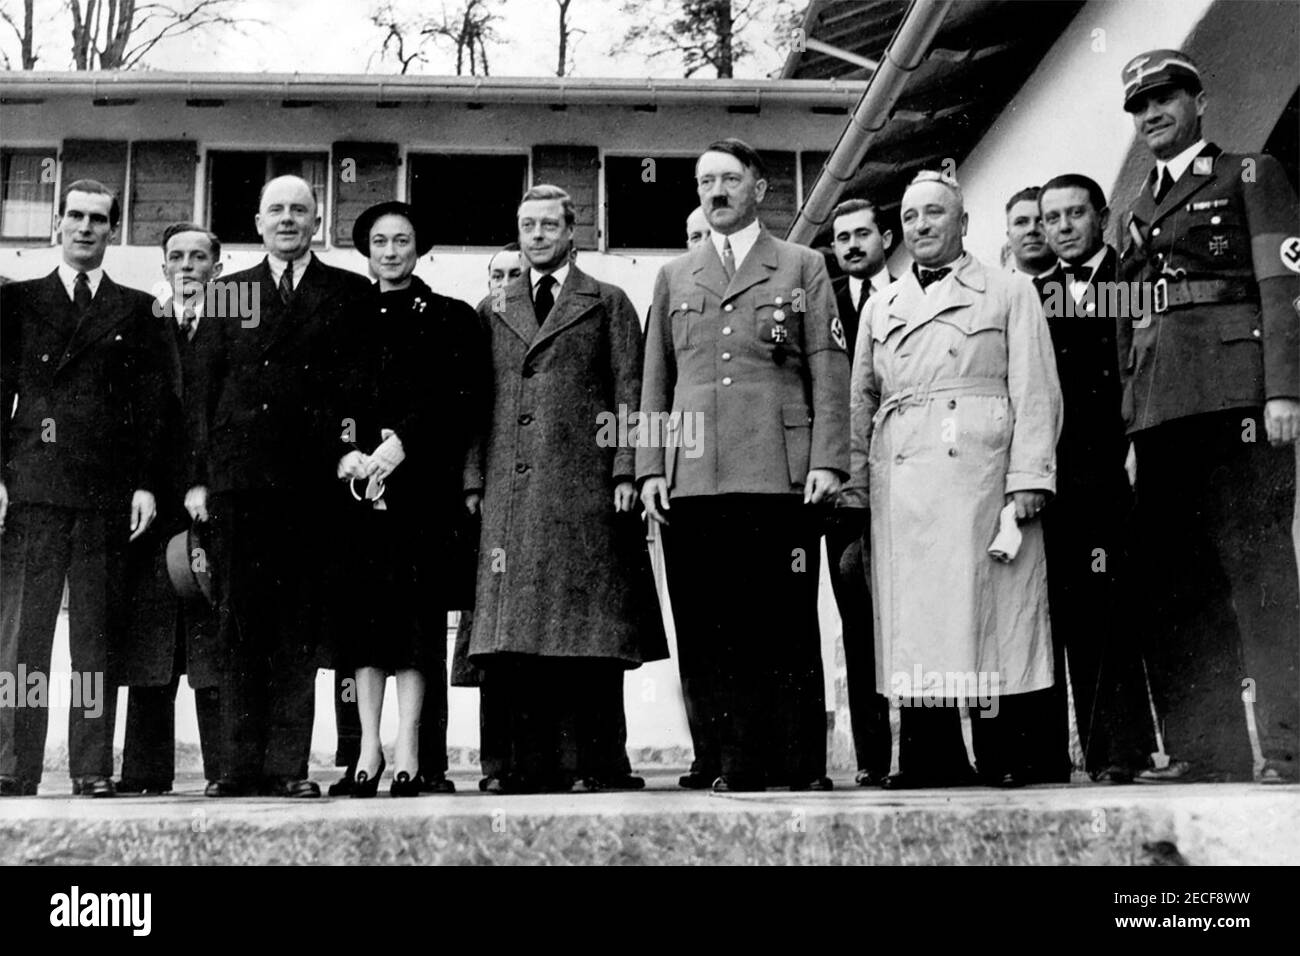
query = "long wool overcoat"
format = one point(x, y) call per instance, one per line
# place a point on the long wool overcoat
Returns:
point(955, 404)
point(560, 573)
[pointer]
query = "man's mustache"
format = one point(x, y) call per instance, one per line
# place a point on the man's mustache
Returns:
point(720, 202)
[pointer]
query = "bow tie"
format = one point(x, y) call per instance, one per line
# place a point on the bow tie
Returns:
point(928, 276)
point(1077, 276)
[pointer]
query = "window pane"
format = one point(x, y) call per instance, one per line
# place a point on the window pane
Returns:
point(649, 214)
point(470, 200)
point(235, 180)
point(26, 195)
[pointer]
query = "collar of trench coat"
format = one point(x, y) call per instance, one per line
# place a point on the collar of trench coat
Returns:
point(912, 307)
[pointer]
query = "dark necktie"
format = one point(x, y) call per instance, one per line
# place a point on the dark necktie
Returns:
point(728, 258)
point(1162, 188)
point(863, 294)
point(928, 276)
point(286, 283)
point(81, 294)
point(545, 299)
point(188, 319)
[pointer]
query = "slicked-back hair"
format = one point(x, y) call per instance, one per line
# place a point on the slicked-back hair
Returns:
point(738, 148)
point(1030, 193)
point(176, 228)
point(95, 188)
point(850, 206)
point(1076, 181)
point(547, 191)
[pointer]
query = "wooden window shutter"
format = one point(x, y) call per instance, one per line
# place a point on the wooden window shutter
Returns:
point(162, 188)
point(103, 160)
point(364, 174)
point(781, 204)
point(576, 170)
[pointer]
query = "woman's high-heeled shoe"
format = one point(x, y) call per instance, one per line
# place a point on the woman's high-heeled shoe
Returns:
point(365, 785)
point(404, 785)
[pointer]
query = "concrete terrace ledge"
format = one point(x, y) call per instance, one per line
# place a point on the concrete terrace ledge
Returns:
point(1198, 824)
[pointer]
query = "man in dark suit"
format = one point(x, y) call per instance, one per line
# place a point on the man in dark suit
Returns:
point(84, 388)
point(1084, 530)
point(168, 635)
point(1212, 400)
point(266, 460)
point(745, 346)
point(860, 248)
point(565, 599)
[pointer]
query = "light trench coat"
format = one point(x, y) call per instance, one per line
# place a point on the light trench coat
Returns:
point(955, 403)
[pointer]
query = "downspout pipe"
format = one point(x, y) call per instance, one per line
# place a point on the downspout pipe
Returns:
point(906, 51)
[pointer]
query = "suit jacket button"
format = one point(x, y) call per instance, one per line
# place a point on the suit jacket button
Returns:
point(727, 380)
point(726, 330)
point(727, 308)
point(1155, 231)
point(520, 468)
point(952, 452)
point(726, 356)
point(45, 357)
point(525, 419)
point(1255, 332)
point(265, 406)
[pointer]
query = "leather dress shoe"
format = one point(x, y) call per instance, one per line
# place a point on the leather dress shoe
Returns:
point(869, 778)
point(1178, 771)
point(817, 783)
point(490, 785)
point(696, 781)
point(14, 787)
point(619, 782)
point(735, 783)
point(93, 787)
point(343, 786)
point(1113, 775)
point(904, 780)
point(144, 787)
point(436, 784)
point(1277, 771)
point(232, 787)
point(291, 789)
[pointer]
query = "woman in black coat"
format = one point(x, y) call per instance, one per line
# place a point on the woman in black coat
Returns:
point(415, 375)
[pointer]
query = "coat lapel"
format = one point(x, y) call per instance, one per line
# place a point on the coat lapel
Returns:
point(1188, 183)
point(307, 298)
point(518, 314)
point(916, 307)
point(758, 265)
point(52, 304)
point(707, 268)
point(578, 296)
point(108, 309)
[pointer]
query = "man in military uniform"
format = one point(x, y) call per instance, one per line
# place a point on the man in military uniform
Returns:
point(745, 348)
point(1211, 378)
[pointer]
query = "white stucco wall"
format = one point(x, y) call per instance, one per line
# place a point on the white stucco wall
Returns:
point(1069, 117)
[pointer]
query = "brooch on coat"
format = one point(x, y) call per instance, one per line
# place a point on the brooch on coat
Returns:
point(418, 304)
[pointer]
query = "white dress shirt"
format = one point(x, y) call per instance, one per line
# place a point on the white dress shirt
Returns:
point(741, 242)
point(1178, 165)
point(68, 276)
point(299, 267)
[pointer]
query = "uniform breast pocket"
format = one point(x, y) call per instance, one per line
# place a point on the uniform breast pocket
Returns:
point(1218, 238)
point(686, 315)
point(777, 323)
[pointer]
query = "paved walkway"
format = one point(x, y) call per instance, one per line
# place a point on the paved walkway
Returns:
point(1194, 824)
